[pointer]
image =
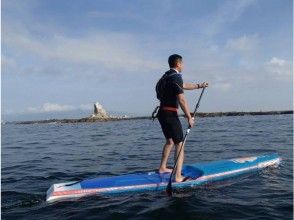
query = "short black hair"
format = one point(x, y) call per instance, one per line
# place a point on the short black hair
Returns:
point(173, 59)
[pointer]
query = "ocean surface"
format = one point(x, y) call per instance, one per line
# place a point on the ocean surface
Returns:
point(37, 155)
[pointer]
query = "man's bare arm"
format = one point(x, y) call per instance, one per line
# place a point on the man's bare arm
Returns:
point(184, 106)
point(191, 86)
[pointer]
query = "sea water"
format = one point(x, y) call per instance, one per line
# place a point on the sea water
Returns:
point(35, 156)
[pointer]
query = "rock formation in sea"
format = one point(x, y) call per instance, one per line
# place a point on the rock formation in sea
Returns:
point(99, 112)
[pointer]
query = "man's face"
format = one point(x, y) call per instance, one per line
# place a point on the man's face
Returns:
point(180, 65)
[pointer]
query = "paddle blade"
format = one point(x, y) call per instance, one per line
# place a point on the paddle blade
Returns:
point(169, 189)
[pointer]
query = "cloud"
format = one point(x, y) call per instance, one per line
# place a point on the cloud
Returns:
point(244, 44)
point(228, 13)
point(104, 50)
point(53, 107)
point(244, 51)
point(277, 62)
point(280, 68)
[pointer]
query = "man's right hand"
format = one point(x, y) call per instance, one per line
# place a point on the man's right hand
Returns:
point(191, 122)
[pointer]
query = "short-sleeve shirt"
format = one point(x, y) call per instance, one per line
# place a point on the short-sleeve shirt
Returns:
point(173, 88)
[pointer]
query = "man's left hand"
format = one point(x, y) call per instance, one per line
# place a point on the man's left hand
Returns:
point(204, 85)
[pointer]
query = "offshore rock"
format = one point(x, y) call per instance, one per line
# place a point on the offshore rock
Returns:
point(99, 112)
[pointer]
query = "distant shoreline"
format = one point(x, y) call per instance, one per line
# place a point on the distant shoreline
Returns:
point(200, 114)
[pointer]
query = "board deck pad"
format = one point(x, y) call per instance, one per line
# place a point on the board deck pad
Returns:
point(200, 173)
point(137, 179)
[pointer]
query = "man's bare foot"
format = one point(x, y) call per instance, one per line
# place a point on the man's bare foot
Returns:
point(179, 179)
point(165, 170)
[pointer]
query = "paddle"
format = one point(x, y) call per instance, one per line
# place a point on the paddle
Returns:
point(169, 185)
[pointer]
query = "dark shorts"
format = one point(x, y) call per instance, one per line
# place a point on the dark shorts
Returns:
point(171, 125)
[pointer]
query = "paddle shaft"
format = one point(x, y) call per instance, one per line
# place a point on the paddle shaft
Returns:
point(168, 188)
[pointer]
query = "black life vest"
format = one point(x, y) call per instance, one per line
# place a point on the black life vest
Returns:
point(161, 85)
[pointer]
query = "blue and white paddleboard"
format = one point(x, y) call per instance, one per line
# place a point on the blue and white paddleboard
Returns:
point(200, 173)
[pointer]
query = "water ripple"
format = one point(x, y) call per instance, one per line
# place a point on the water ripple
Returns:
point(32, 160)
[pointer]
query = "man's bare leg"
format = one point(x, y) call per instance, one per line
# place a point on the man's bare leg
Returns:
point(165, 154)
point(178, 176)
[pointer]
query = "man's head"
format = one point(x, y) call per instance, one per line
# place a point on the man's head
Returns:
point(176, 61)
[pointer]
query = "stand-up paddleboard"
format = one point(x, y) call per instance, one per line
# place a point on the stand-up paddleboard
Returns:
point(200, 173)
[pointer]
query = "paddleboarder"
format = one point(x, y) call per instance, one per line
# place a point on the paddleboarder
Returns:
point(170, 91)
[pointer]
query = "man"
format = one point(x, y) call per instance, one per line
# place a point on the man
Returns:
point(172, 96)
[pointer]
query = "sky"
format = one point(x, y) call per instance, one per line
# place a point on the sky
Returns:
point(59, 57)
